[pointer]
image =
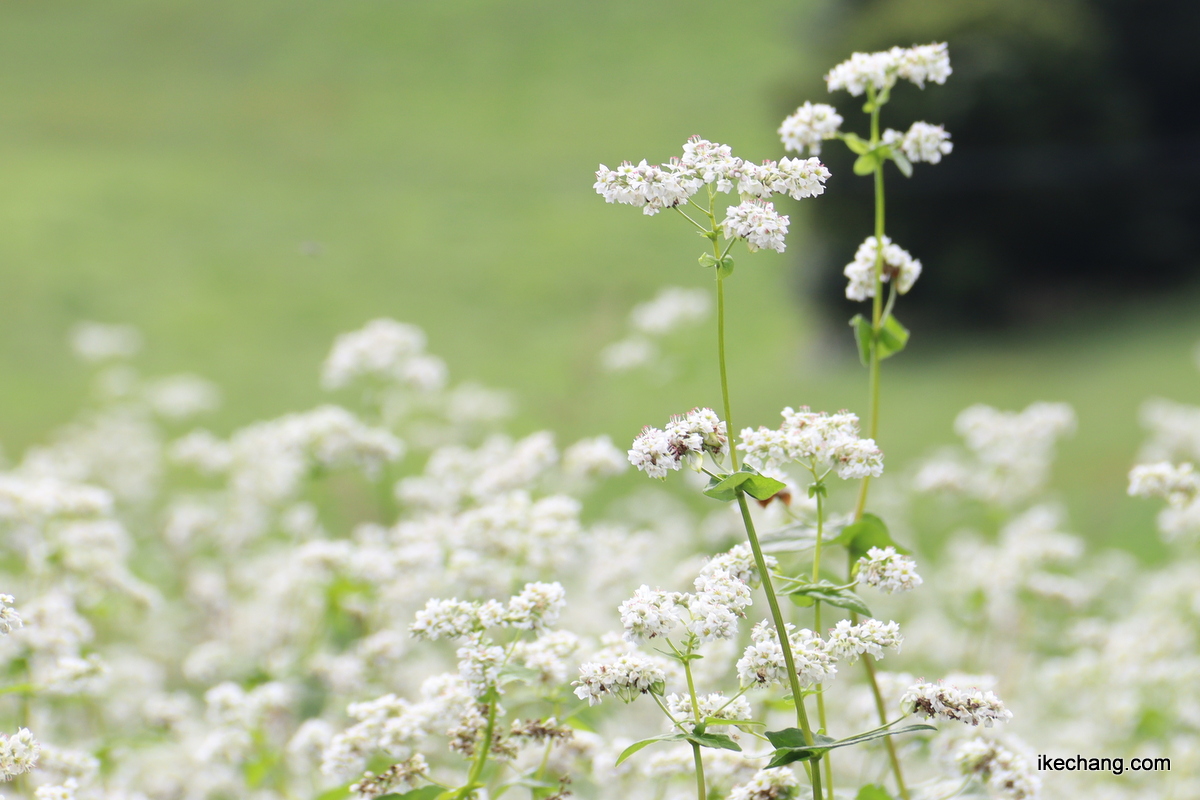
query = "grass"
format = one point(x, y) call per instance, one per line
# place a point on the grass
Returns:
point(243, 181)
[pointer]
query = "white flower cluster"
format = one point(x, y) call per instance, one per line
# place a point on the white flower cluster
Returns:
point(657, 452)
point(674, 307)
point(762, 662)
point(401, 776)
point(809, 126)
point(630, 675)
point(709, 614)
point(970, 706)
point(535, 608)
point(1179, 485)
point(9, 618)
point(824, 441)
point(847, 641)
point(386, 351)
point(97, 342)
point(1007, 773)
point(739, 562)
point(654, 188)
point(714, 705)
point(758, 223)
point(18, 753)
point(898, 264)
point(921, 142)
point(888, 571)
point(879, 71)
point(1012, 453)
point(777, 783)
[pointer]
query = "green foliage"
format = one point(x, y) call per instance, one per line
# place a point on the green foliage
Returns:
point(760, 487)
point(830, 593)
point(872, 791)
point(790, 745)
point(717, 741)
point(868, 532)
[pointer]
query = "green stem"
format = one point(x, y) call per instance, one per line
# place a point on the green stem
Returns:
point(481, 758)
point(696, 755)
point(759, 560)
point(700, 788)
point(816, 576)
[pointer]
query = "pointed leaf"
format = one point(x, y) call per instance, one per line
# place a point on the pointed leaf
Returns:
point(868, 532)
point(725, 267)
point(892, 337)
point(760, 487)
point(708, 260)
point(424, 793)
point(856, 144)
point(717, 741)
point(903, 163)
point(644, 743)
point(829, 593)
point(866, 163)
point(872, 791)
point(788, 737)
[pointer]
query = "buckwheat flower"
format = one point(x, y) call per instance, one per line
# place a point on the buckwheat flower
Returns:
point(704, 423)
point(855, 74)
point(546, 655)
point(593, 458)
point(777, 783)
point(674, 307)
point(739, 562)
point(631, 674)
point(888, 571)
point(645, 185)
point(537, 606)
point(715, 705)
point(60, 791)
point(971, 706)
point(1009, 774)
point(653, 452)
point(858, 458)
point(921, 142)
point(627, 354)
point(95, 342)
point(10, 620)
point(401, 776)
point(757, 222)
point(449, 619)
point(762, 662)
point(846, 642)
point(491, 614)
point(650, 613)
point(719, 601)
point(809, 126)
point(182, 396)
point(1177, 484)
point(898, 264)
point(925, 62)
point(479, 666)
point(383, 350)
point(18, 753)
point(711, 162)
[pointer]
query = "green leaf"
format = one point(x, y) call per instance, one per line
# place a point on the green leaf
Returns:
point(643, 744)
point(868, 532)
point(856, 143)
point(726, 267)
point(760, 487)
point(903, 163)
point(872, 791)
point(892, 337)
point(789, 754)
point(720, 721)
point(788, 737)
point(717, 741)
point(708, 260)
point(863, 335)
point(832, 594)
point(424, 793)
point(866, 163)
point(818, 489)
point(518, 672)
point(337, 792)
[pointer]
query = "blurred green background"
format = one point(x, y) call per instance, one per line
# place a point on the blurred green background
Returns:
point(244, 180)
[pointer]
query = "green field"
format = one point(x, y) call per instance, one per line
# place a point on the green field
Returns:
point(244, 180)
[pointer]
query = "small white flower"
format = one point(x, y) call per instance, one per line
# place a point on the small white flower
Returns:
point(888, 571)
point(809, 126)
point(970, 706)
point(18, 753)
point(777, 783)
point(921, 142)
point(846, 642)
point(897, 264)
point(757, 222)
point(649, 614)
point(630, 675)
point(449, 619)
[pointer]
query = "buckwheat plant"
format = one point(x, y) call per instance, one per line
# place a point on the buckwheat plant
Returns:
point(759, 463)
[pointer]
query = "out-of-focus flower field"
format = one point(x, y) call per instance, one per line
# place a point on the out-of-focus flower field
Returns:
point(322, 360)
